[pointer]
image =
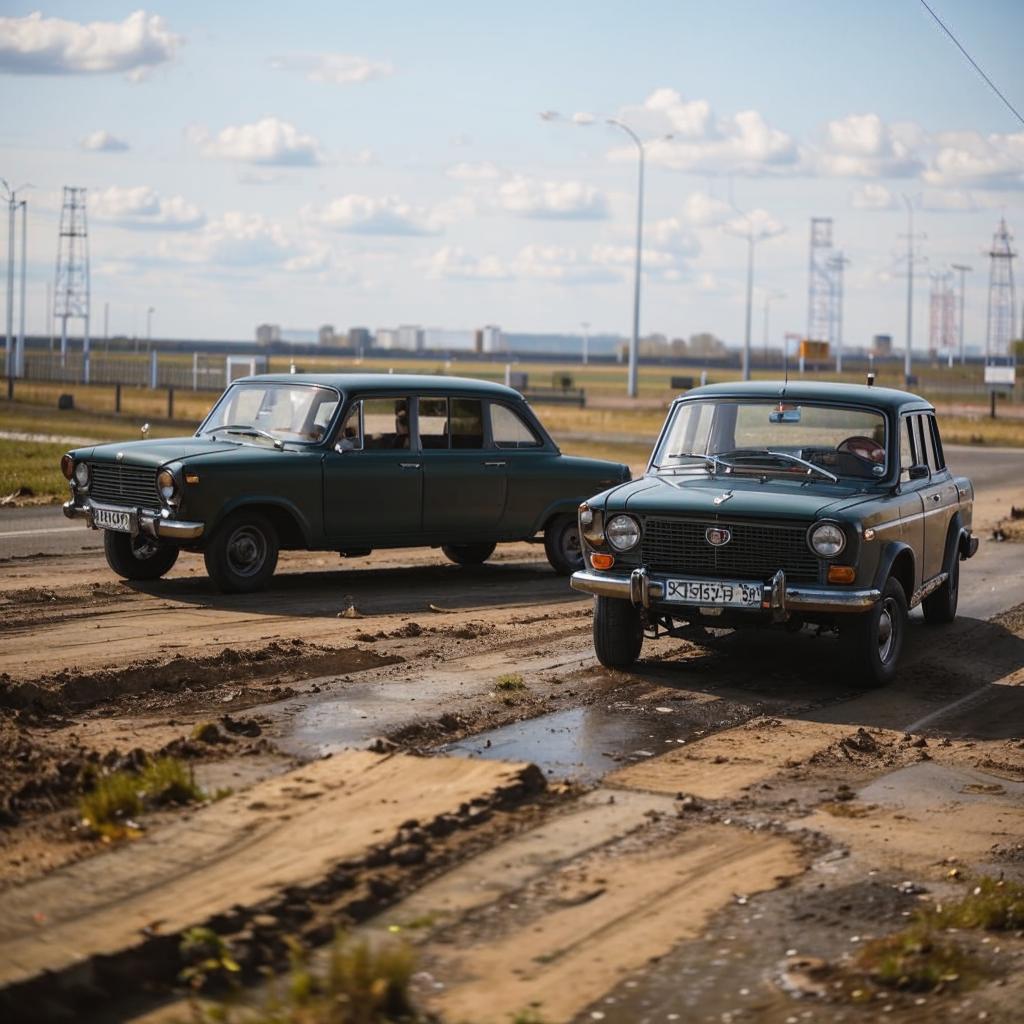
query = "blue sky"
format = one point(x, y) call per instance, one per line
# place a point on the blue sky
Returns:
point(381, 164)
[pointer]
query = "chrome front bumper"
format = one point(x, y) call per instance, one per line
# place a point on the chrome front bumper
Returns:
point(779, 598)
point(153, 524)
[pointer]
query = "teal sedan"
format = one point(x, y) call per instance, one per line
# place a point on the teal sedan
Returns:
point(342, 462)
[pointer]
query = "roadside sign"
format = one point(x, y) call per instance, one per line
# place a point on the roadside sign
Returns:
point(1001, 378)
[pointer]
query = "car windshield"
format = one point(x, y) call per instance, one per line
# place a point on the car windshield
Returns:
point(273, 413)
point(777, 436)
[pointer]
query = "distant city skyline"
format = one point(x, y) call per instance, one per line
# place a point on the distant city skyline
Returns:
point(387, 165)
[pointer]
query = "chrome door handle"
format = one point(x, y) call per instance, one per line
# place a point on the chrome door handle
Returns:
point(495, 463)
point(409, 465)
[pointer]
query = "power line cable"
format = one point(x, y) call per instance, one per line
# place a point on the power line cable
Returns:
point(992, 85)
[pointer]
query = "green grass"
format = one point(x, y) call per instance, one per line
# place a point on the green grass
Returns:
point(917, 959)
point(170, 780)
point(992, 905)
point(34, 466)
point(510, 682)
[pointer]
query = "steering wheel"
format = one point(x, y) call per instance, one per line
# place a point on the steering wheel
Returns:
point(866, 448)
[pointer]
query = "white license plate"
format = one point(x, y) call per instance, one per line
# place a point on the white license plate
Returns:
point(107, 520)
point(712, 593)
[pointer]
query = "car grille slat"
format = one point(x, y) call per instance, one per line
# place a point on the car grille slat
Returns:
point(123, 485)
point(756, 550)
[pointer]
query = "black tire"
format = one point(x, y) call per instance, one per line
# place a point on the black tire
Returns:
point(940, 607)
point(137, 557)
point(242, 555)
point(562, 545)
point(468, 554)
point(618, 632)
point(873, 641)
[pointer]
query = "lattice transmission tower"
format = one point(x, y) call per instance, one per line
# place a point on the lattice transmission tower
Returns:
point(1001, 301)
point(71, 287)
point(942, 320)
point(819, 284)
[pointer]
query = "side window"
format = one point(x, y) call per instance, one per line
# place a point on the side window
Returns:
point(922, 438)
point(467, 423)
point(350, 437)
point(433, 421)
point(940, 459)
point(907, 448)
point(385, 423)
point(509, 430)
point(322, 414)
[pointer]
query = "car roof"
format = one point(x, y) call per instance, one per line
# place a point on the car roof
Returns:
point(391, 382)
point(807, 391)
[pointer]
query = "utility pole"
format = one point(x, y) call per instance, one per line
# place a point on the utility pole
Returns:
point(964, 270)
point(11, 196)
point(907, 356)
point(19, 352)
point(586, 341)
point(769, 298)
point(836, 265)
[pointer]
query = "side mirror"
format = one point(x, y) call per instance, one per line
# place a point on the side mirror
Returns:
point(919, 471)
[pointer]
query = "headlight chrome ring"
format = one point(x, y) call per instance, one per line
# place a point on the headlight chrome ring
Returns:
point(167, 486)
point(622, 532)
point(81, 475)
point(827, 540)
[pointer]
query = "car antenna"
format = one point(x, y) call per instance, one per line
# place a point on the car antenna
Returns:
point(871, 378)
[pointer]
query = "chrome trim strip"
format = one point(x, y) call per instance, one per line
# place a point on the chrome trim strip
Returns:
point(932, 585)
point(153, 523)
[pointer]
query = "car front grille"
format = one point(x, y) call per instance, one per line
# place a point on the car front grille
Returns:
point(756, 551)
point(123, 485)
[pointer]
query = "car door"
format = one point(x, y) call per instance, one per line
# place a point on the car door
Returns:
point(464, 480)
point(909, 497)
point(373, 478)
point(938, 495)
point(530, 488)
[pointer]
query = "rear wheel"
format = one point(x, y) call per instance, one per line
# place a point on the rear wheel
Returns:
point(136, 557)
point(242, 556)
point(468, 554)
point(873, 640)
point(940, 607)
point(562, 545)
point(618, 632)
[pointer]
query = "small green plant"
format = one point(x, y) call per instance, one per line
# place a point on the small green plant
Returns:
point(992, 904)
point(208, 958)
point(114, 800)
point(169, 780)
point(510, 682)
point(918, 959)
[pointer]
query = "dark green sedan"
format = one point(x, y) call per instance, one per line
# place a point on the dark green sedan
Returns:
point(773, 503)
point(342, 462)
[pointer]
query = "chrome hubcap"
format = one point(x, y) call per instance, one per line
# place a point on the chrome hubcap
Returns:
point(887, 630)
point(246, 551)
point(571, 546)
point(143, 548)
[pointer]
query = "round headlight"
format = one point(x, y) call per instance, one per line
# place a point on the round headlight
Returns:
point(166, 485)
point(827, 540)
point(67, 466)
point(622, 532)
point(586, 516)
point(82, 474)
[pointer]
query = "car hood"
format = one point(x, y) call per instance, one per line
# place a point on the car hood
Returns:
point(157, 452)
point(750, 498)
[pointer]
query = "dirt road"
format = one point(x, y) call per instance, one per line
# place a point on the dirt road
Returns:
point(738, 806)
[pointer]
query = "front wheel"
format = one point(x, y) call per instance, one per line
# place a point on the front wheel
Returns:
point(618, 632)
point(873, 640)
point(468, 554)
point(242, 556)
point(562, 545)
point(136, 557)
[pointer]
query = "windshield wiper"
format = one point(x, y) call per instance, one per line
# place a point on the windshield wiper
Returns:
point(789, 458)
point(246, 430)
point(711, 462)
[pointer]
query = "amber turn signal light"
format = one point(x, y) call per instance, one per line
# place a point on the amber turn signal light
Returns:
point(841, 573)
point(602, 561)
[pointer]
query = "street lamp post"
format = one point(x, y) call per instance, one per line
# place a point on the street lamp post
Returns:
point(752, 238)
point(149, 326)
point(907, 359)
point(586, 340)
point(964, 270)
point(769, 298)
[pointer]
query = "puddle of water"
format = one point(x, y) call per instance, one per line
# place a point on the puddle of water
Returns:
point(586, 743)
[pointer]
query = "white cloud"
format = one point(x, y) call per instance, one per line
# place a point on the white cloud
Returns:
point(483, 171)
point(872, 196)
point(334, 68)
point(741, 144)
point(759, 221)
point(367, 215)
point(553, 200)
point(267, 142)
point(452, 261)
point(671, 235)
point(236, 240)
point(864, 146)
point(971, 160)
point(143, 207)
point(103, 142)
point(703, 210)
point(34, 45)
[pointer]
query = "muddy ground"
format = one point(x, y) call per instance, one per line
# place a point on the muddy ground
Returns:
point(722, 829)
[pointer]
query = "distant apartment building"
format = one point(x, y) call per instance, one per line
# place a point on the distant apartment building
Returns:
point(386, 338)
point(490, 339)
point(881, 346)
point(267, 334)
point(325, 335)
point(359, 338)
point(410, 337)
